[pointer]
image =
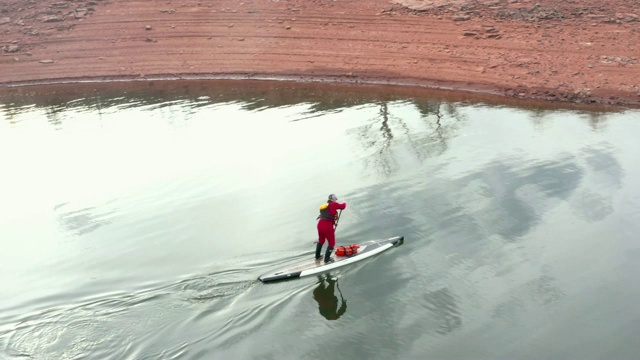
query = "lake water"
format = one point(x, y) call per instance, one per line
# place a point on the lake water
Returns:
point(136, 218)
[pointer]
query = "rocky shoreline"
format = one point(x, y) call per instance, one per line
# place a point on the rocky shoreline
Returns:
point(582, 52)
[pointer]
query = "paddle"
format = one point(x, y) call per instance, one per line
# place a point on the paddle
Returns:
point(335, 226)
point(338, 286)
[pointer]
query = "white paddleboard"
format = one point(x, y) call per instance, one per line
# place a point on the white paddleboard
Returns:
point(314, 267)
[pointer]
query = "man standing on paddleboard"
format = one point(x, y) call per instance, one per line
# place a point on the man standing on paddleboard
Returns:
point(326, 226)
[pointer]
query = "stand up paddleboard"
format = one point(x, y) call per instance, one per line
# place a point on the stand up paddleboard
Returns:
point(314, 267)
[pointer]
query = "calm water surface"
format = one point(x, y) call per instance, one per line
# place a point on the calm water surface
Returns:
point(134, 222)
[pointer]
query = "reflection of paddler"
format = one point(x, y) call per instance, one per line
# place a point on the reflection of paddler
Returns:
point(328, 301)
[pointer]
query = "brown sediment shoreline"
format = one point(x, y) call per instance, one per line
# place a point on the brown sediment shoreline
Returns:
point(582, 52)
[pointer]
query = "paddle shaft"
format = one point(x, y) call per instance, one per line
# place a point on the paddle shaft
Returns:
point(338, 286)
point(335, 226)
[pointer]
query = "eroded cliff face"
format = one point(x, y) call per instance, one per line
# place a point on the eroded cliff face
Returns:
point(576, 51)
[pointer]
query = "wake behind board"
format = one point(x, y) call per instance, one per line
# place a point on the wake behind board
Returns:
point(314, 267)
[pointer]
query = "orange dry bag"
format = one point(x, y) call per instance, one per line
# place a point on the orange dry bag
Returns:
point(348, 250)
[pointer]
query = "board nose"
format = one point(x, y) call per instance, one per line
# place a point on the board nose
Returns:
point(397, 240)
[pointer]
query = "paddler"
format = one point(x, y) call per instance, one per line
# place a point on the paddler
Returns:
point(327, 226)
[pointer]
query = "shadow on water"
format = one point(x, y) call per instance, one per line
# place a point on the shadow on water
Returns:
point(325, 295)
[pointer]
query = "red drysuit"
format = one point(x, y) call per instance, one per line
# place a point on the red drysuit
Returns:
point(328, 217)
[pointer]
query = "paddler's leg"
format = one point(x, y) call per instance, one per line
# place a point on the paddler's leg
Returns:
point(331, 238)
point(327, 256)
point(321, 238)
point(318, 250)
